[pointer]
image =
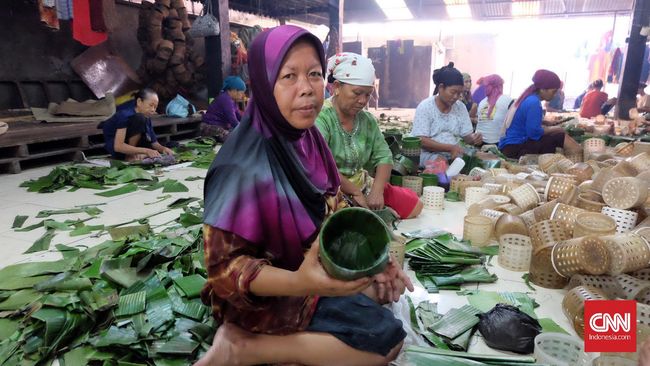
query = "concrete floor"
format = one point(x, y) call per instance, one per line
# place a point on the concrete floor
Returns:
point(17, 201)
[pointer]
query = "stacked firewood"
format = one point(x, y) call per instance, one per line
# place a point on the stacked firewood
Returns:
point(169, 62)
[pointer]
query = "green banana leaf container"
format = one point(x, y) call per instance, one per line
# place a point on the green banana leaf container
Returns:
point(393, 132)
point(396, 180)
point(403, 166)
point(429, 180)
point(354, 243)
point(410, 142)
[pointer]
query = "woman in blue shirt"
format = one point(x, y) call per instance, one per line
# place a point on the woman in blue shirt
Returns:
point(525, 134)
point(128, 134)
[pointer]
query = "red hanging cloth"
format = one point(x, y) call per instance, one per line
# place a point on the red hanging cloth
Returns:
point(82, 25)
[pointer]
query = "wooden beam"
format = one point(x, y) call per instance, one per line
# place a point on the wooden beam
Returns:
point(292, 13)
point(633, 60)
point(217, 49)
point(335, 44)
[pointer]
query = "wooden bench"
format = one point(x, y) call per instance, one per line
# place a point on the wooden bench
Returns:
point(30, 144)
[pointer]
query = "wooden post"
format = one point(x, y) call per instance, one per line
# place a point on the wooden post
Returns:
point(217, 50)
point(633, 60)
point(335, 45)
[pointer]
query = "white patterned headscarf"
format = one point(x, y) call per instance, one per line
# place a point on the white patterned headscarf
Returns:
point(351, 68)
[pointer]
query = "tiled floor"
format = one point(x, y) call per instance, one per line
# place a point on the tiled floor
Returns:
point(17, 201)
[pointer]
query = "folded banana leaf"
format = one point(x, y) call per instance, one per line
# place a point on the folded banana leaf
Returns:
point(194, 178)
point(486, 300)
point(131, 304)
point(7, 328)
point(42, 243)
point(127, 188)
point(190, 286)
point(90, 210)
point(119, 233)
point(472, 356)
point(470, 274)
point(182, 202)
point(456, 322)
point(425, 359)
point(19, 220)
point(188, 219)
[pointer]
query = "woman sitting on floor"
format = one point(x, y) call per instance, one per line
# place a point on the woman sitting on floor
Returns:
point(266, 196)
point(492, 110)
point(129, 134)
point(524, 134)
point(442, 120)
point(356, 142)
point(222, 114)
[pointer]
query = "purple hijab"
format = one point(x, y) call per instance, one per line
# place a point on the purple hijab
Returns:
point(269, 181)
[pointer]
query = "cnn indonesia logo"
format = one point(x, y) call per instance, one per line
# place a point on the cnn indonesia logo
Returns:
point(610, 326)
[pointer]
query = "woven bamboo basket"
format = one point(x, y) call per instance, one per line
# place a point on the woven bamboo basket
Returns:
point(477, 172)
point(544, 211)
point(433, 197)
point(570, 197)
point(592, 145)
point(525, 196)
point(541, 270)
point(475, 195)
point(546, 160)
point(476, 208)
point(643, 231)
point(594, 165)
point(593, 223)
point(573, 305)
point(585, 186)
point(557, 186)
point(586, 255)
point(624, 148)
point(625, 192)
point(494, 188)
point(547, 233)
point(632, 287)
point(492, 214)
point(397, 249)
point(510, 224)
point(602, 177)
point(642, 274)
point(495, 172)
point(413, 183)
point(566, 215)
point(590, 201)
point(529, 218)
point(454, 185)
point(608, 285)
point(576, 158)
point(625, 220)
point(463, 186)
point(514, 252)
point(582, 171)
point(641, 162)
point(563, 165)
point(478, 230)
point(499, 198)
point(627, 252)
point(625, 168)
point(509, 208)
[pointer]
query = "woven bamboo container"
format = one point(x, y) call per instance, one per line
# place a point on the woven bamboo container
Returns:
point(546, 160)
point(413, 183)
point(563, 165)
point(547, 233)
point(454, 185)
point(586, 255)
point(642, 274)
point(593, 145)
point(624, 149)
point(492, 214)
point(608, 285)
point(573, 305)
point(494, 188)
point(529, 218)
point(593, 223)
point(641, 162)
point(525, 196)
point(566, 215)
point(397, 249)
point(557, 186)
point(625, 220)
point(541, 270)
point(602, 177)
point(627, 252)
point(544, 211)
point(463, 186)
point(515, 252)
point(625, 168)
point(509, 208)
point(478, 230)
point(590, 201)
point(510, 224)
point(475, 194)
point(433, 197)
point(582, 171)
point(625, 192)
point(632, 287)
point(477, 172)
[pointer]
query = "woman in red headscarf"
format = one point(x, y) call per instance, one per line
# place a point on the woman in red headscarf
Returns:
point(492, 109)
point(524, 133)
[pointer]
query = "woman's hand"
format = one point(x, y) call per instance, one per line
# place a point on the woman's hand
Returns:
point(360, 199)
point(167, 151)
point(456, 151)
point(375, 200)
point(151, 153)
point(311, 276)
point(391, 284)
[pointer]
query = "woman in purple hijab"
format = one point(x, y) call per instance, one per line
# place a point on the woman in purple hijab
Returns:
point(266, 196)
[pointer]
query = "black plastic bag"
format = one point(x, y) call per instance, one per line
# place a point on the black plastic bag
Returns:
point(509, 329)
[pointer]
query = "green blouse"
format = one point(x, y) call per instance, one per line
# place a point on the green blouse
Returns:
point(363, 148)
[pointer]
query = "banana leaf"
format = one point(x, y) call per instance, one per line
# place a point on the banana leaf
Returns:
point(425, 359)
point(42, 243)
point(66, 281)
point(159, 310)
point(60, 299)
point(19, 220)
point(127, 188)
point(131, 304)
point(7, 328)
point(119, 233)
point(486, 300)
point(200, 331)
point(159, 199)
point(35, 269)
point(19, 283)
point(190, 286)
point(471, 356)
point(86, 229)
point(90, 210)
point(119, 271)
point(179, 345)
point(182, 202)
point(194, 178)
point(456, 322)
point(67, 251)
point(31, 227)
point(452, 196)
point(171, 185)
point(188, 219)
point(100, 299)
point(127, 175)
point(115, 336)
point(471, 274)
point(168, 361)
point(550, 326)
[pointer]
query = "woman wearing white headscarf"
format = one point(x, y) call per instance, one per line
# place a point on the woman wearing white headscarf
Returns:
point(356, 142)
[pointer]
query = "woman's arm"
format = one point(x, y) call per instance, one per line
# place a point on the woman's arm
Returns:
point(376, 196)
point(121, 146)
point(353, 191)
point(433, 146)
point(534, 130)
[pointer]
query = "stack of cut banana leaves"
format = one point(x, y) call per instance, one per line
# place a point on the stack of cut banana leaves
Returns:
point(425, 356)
point(130, 301)
point(445, 263)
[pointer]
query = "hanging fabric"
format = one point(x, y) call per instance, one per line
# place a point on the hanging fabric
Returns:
point(81, 25)
point(64, 9)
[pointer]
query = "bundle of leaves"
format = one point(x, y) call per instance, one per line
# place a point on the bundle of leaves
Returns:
point(132, 300)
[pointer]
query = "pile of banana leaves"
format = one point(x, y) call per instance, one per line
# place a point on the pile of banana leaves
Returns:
point(445, 263)
point(76, 176)
point(425, 356)
point(132, 300)
point(199, 151)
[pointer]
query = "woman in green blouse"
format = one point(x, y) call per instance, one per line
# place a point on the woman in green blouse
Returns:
point(357, 144)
